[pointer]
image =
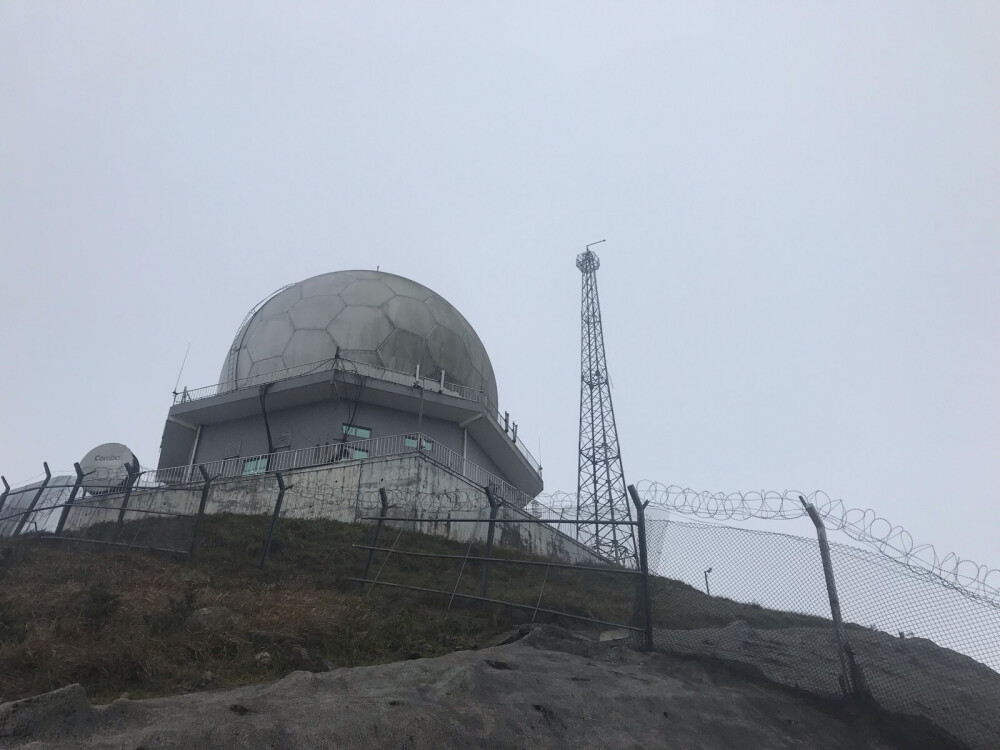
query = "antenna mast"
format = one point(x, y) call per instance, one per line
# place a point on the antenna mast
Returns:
point(601, 498)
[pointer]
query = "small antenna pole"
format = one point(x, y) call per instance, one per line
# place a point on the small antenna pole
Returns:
point(181, 371)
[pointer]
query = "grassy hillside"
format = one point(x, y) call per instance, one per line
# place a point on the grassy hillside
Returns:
point(129, 621)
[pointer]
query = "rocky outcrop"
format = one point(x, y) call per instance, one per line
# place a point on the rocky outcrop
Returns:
point(50, 718)
point(906, 677)
point(543, 688)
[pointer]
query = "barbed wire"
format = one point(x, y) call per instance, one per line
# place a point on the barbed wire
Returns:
point(861, 525)
point(864, 526)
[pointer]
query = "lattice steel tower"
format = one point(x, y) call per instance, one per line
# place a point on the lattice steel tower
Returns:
point(601, 494)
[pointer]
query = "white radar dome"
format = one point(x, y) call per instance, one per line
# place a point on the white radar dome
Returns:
point(373, 317)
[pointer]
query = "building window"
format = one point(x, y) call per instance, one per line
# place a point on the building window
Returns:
point(254, 466)
point(411, 442)
point(232, 449)
point(352, 430)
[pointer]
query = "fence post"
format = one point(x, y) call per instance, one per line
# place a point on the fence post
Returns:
point(72, 498)
point(133, 476)
point(853, 678)
point(6, 491)
point(378, 532)
point(640, 514)
point(201, 509)
point(490, 534)
point(274, 519)
point(34, 501)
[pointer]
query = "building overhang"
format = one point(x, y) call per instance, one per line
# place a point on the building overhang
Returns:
point(185, 418)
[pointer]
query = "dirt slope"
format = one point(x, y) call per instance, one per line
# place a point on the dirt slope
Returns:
point(547, 689)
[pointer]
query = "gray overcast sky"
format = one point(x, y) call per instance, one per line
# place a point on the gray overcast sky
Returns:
point(801, 202)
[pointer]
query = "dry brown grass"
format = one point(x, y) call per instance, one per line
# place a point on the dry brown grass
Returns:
point(120, 621)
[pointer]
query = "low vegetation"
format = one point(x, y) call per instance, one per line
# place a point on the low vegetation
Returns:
point(122, 620)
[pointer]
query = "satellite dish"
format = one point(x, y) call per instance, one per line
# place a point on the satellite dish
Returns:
point(104, 467)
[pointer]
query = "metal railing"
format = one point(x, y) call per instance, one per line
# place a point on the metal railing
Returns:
point(366, 369)
point(332, 453)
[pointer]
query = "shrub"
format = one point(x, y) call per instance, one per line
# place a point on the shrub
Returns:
point(173, 617)
point(98, 606)
point(11, 631)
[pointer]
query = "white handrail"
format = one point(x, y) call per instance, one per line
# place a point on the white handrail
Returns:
point(331, 453)
point(455, 390)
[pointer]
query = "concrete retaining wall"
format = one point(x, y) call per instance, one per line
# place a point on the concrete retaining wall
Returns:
point(417, 487)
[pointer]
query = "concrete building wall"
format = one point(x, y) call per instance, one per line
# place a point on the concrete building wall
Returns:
point(91, 510)
point(417, 488)
point(322, 424)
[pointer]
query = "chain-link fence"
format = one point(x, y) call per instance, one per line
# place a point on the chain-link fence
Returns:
point(918, 635)
point(910, 642)
point(496, 564)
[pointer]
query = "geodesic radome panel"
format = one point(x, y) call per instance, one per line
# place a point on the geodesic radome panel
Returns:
point(373, 317)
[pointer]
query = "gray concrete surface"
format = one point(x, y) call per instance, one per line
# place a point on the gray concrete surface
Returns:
point(548, 689)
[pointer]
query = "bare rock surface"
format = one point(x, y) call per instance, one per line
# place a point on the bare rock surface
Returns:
point(543, 688)
point(905, 676)
point(50, 717)
point(214, 618)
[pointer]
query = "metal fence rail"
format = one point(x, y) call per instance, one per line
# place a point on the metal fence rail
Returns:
point(639, 620)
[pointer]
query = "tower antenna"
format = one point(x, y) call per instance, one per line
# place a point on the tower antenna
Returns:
point(601, 499)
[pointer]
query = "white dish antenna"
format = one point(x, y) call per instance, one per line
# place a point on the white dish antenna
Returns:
point(104, 467)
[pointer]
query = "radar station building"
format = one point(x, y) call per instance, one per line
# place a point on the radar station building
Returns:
point(359, 370)
point(337, 393)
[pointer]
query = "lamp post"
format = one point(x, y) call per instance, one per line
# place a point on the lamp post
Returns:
point(707, 592)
